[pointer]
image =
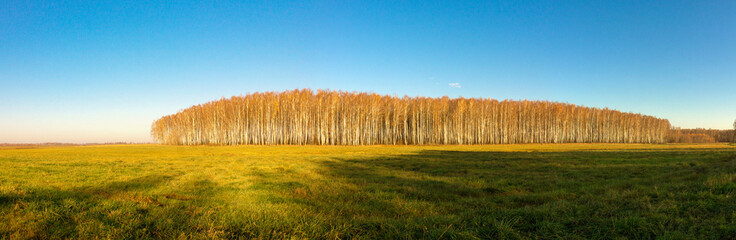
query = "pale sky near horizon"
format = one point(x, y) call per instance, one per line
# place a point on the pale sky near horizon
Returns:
point(94, 71)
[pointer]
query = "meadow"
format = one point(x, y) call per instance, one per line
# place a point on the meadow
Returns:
point(550, 191)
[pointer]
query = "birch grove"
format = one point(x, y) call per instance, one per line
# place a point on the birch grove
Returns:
point(700, 135)
point(357, 118)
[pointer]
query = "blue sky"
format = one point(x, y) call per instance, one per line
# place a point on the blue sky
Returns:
point(100, 71)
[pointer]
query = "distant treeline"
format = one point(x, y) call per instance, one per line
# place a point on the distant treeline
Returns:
point(700, 135)
point(37, 144)
point(53, 144)
point(357, 118)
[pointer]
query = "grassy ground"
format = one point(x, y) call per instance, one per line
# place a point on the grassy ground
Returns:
point(428, 192)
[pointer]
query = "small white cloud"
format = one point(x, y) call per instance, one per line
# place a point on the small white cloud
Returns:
point(455, 85)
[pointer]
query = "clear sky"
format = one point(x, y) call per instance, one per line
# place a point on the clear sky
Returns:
point(103, 71)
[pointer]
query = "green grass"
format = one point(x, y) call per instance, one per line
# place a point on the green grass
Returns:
point(575, 191)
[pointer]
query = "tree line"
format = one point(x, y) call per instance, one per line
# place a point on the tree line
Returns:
point(701, 135)
point(357, 118)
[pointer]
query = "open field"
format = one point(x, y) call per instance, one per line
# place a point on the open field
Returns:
point(462, 192)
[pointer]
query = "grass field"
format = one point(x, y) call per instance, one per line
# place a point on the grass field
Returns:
point(376, 192)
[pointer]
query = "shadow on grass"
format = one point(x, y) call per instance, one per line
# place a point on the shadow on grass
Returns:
point(429, 194)
point(605, 194)
point(132, 207)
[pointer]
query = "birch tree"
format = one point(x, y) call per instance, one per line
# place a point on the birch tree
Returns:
point(357, 118)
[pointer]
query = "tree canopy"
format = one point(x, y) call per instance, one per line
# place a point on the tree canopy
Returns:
point(357, 118)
